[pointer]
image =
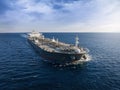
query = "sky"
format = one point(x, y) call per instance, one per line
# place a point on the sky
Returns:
point(60, 15)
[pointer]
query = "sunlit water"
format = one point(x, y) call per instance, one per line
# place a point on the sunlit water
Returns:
point(21, 68)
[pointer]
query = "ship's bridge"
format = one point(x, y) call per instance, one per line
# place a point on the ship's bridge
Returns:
point(35, 34)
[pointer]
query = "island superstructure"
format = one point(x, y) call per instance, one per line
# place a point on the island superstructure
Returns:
point(54, 51)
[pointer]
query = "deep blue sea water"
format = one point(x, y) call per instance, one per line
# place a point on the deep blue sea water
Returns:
point(21, 68)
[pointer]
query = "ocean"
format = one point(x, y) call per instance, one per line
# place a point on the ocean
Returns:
point(21, 68)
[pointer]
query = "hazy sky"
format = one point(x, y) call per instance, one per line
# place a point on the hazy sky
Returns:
point(60, 15)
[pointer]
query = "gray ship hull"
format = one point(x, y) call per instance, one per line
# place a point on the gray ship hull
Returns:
point(56, 58)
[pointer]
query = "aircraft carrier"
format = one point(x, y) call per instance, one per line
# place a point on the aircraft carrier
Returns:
point(54, 51)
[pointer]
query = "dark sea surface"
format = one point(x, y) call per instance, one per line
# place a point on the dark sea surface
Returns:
point(21, 68)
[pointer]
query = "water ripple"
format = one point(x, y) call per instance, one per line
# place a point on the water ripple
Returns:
point(21, 68)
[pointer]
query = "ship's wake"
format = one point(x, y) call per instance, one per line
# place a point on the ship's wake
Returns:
point(24, 35)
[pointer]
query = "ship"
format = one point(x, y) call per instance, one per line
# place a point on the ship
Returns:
point(54, 51)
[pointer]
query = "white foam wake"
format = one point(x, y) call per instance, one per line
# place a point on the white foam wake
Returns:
point(24, 35)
